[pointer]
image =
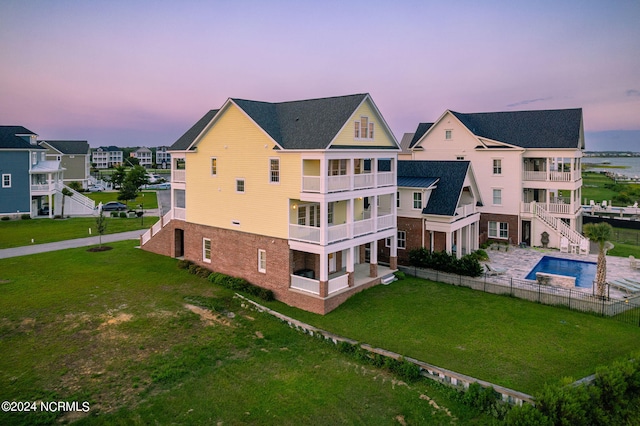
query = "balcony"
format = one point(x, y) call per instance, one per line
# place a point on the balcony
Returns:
point(312, 286)
point(554, 208)
point(545, 176)
point(347, 182)
point(178, 176)
point(336, 233)
point(43, 188)
point(465, 210)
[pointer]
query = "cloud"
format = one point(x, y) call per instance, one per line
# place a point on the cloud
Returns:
point(633, 92)
point(529, 101)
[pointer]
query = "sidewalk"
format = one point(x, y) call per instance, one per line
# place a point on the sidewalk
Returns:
point(61, 245)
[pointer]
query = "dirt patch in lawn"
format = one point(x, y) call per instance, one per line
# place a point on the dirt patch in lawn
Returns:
point(121, 317)
point(207, 316)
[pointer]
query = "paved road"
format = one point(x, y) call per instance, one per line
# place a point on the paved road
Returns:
point(61, 245)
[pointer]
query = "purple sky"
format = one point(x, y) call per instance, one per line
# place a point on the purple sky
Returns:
point(133, 73)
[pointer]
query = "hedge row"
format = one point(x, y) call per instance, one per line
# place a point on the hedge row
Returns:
point(467, 265)
point(232, 283)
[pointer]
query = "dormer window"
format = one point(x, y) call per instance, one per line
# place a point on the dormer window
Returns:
point(363, 129)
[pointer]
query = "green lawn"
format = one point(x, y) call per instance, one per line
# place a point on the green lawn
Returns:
point(149, 198)
point(507, 341)
point(112, 328)
point(16, 233)
point(593, 187)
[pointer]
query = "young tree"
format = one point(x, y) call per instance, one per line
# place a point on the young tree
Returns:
point(118, 176)
point(101, 225)
point(601, 233)
point(136, 177)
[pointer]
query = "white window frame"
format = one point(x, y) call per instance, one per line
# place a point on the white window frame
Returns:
point(262, 261)
point(398, 199)
point(401, 239)
point(6, 180)
point(330, 209)
point(498, 192)
point(417, 200)
point(238, 182)
point(497, 166)
point(274, 173)
point(206, 252)
point(214, 166)
point(499, 230)
point(364, 129)
point(448, 134)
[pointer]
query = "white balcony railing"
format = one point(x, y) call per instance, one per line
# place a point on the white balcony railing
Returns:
point(310, 234)
point(178, 176)
point(180, 214)
point(362, 227)
point(547, 176)
point(338, 233)
point(305, 284)
point(313, 234)
point(466, 210)
point(347, 182)
point(385, 222)
point(44, 187)
point(338, 283)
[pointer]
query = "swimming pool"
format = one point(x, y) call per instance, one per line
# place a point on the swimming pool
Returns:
point(585, 272)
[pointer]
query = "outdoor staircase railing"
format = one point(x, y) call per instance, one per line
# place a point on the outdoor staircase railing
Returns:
point(557, 224)
point(84, 201)
point(157, 227)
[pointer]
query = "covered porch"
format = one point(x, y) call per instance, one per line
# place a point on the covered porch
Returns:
point(460, 237)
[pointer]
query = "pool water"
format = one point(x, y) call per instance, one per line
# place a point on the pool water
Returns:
point(585, 272)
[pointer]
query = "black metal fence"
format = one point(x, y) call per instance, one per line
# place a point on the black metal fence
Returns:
point(625, 310)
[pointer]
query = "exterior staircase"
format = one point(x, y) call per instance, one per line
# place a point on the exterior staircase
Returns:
point(157, 227)
point(76, 204)
point(558, 225)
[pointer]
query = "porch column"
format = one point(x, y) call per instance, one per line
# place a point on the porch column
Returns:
point(431, 243)
point(351, 172)
point(324, 174)
point(459, 243)
point(51, 206)
point(447, 244)
point(350, 218)
point(324, 274)
point(374, 213)
point(324, 223)
point(350, 265)
point(467, 231)
point(374, 170)
point(373, 259)
point(393, 252)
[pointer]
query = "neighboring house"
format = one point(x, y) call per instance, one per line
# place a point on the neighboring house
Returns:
point(74, 157)
point(144, 155)
point(28, 180)
point(437, 208)
point(527, 165)
point(290, 196)
point(405, 144)
point(106, 157)
point(163, 157)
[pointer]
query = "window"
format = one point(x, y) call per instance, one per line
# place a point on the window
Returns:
point(337, 167)
point(363, 129)
point(330, 213)
point(417, 200)
point(214, 166)
point(497, 197)
point(402, 240)
point(206, 250)
point(262, 261)
point(6, 181)
point(398, 199)
point(497, 166)
point(499, 230)
point(239, 185)
point(447, 134)
point(34, 158)
point(274, 170)
point(460, 158)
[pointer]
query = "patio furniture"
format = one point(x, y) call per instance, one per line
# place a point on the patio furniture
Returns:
point(585, 246)
point(633, 262)
point(624, 285)
point(492, 270)
point(564, 245)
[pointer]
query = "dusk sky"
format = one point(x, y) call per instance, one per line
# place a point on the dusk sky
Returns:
point(140, 73)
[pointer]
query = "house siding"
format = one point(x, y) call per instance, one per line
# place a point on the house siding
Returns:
point(17, 198)
point(264, 207)
point(512, 220)
point(381, 136)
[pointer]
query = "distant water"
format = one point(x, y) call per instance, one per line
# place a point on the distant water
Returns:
point(632, 164)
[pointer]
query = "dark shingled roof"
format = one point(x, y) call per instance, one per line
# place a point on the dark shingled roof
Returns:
point(528, 129)
point(187, 139)
point(420, 131)
point(10, 140)
point(69, 147)
point(306, 124)
point(558, 128)
point(416, 182)
point(451, 174)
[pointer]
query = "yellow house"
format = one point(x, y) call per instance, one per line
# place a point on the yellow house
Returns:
point(296, 197)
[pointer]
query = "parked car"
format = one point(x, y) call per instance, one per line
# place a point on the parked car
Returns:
point(44, 210)
point(96, 188)
point(155, 178)
point(113, 206)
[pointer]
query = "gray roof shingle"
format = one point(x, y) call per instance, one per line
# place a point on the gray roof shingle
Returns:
point(190, 135)
point(10, 140)
point(69, 147)
point(451, 174)
point(420, 131)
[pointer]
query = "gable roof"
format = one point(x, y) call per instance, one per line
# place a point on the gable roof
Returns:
point(9, 138)
point(190, 135)
point(420, 131)
point(450, 177)
point(69, 147)
point(306, 124)
point(405, 143)
point(528, 129)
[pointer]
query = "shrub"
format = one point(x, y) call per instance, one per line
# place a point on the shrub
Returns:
point(4, 218)
point(480, 254)
point(25, 217)
point(114, 214)
point(123, 214)
point(400, 275)
point(184, 264)
point(442, 261)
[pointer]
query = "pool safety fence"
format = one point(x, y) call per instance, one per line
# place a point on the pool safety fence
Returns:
point(625, 310)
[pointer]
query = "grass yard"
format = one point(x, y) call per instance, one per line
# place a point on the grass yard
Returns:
point(16, 233)
point(507, 341)
point(593, 187)
point(149, 198)
point(114, 329)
